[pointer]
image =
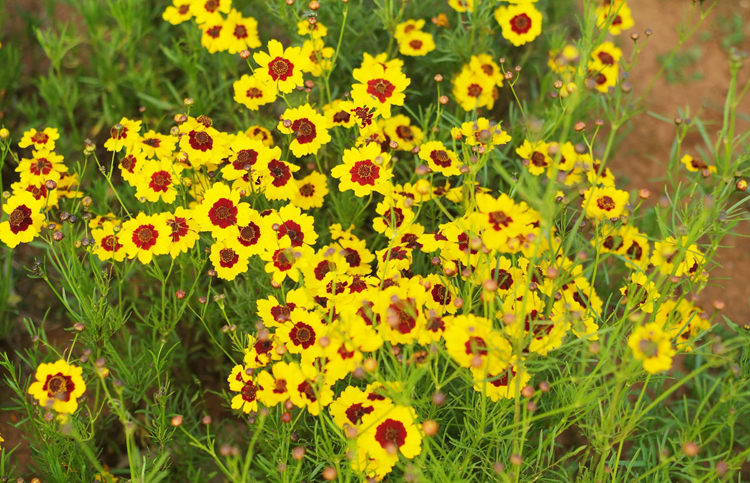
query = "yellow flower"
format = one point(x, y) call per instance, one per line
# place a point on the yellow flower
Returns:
point(307, 389)
point(253, 92)
point(25, 219)
point(319, 56)
point(242, 382)
point(45, 165)
point(242, 33)
point(481, 132)
point(640, 292)
point(614, 15)
point(501, 385)
point(404, 29)
point(215, 37)
point(284, 261)
point(607, 54)
point(158, 180)
point(379, 88)
point(39, 191)
point(202, 143)
point(339, 113)
point(39, 139)
point(604, 202)
point(472, 91)
point(125, 137)
point(440, 159)
point(520, 23)
point(537, 155)
point(58, 385)
point(695, 165)
point(388, 431)
point(472, 342)
point(502, 219)
point(308, 127)
point(229, 259)
point(305, 28)
point(145, 236)
point(484, 65)
point(351, 405)
point(399, 128)
point(281, 67)
point(666, 252)
point(311, 191)
point(416, 44)
point(364, 170)
point(278, 181)
point(302, 331)
point(107, 244)
point(221, 210)
point(248, 156)
point(274, 385)
point(653, 346)
point(602, 77)
point(462, 5)
point(178, 12)
point(295, 226)
point(261, 134)
point(155, 144)
point(184, 232)
point(130, 166)
point(206, 10)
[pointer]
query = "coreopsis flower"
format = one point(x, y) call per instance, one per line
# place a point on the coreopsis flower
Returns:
point(278, 181)
point(25, 219)
point(58, 386)
point(184, 231)
point(472, 342)
point(401, 309)
point(405, 28)
point(44, 139)
point(130, 166)
point(261, 134)
point(295, 226)
point(39, 191)
point(537, 155)
point(351, 405)
point(45, 165)
point(399, 128)
point(308, 390)
point(302, 331)
point(286, 261)
point(247, 155)
point(229, 259)
point(108, 246)
point(178, 12)
point(145, 236)
point(262, 351)
point(311, 191)
point(215, 37)
point(607, 54)
point(206, 10)
point(501, 218)
point(274, 312)
point(153, 144)
point(562, 61)
point(394, 217)
point(387, 432)
point(602, 78)
point(379, 88)
point(220, 211)
point(274, 385)
point(615, 16)
point(667, 253)
point(319, 56)
point(595, 172)
point(254, 91)
point(242, 381)
point(484, 64)
point(242, 32)
point(520, 23)
point(308, 127)
point(364, 170)
point(416, 44)
point(125, 137)
point(281, 67)
point(604, 202)
point(339, 113)
point(472, 91)
point(255, 236)
point(652, 345)
point(481, 132)
point(695, 165)
point(640, 292)
point(462, 5)
point(440, 159)
point(501, 385)
point(158, 180)
point(202, 143)
point(317, 29)
point(440, 295)
point(684, 321)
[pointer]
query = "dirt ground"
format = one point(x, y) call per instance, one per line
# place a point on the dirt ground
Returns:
point(646, 151)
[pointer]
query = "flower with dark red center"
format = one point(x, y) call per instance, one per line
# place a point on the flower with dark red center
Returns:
point(40, 138)
point(249, 235)
point(228, 257)
point(355, 412)
point(381, 89)
point(110, 243)
point(293, 231)
point(521, 24)
point(440, 294)
point(606, 203)
point(499, 220)
point(20, 219)
point(223, 213)
point(160, 181)
point(302, 335)
point(389, 433)
point(280, 69)
point(280, 172)
point(304, 130)
point(441, 158)
point(365, 172)
point(200, 140)
point(59, 387)
point(145, 236)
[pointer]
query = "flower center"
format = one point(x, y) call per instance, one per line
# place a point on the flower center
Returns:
point(498, 218)
point(380, 88)
point(40, 138)
point(475, 90)
point(280, 69)
point(606, 203)
point(538, 159)
point(254, 93)
point(240, 32)
point(211, 5)
point(415, 44)
point(153, 142)
point(441, 158)
point(307, 190)
point(520, 23)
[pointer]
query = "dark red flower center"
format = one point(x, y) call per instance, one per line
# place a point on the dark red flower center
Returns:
point(40, 138)
point(441, 158)
point(365, 172)
point(474, 90)
point(179, 228)
point(160, 181)
point(153, 142)
point(145, 236)
point(20, 219)
point(200, 141)
point(280, 69)
point(304, 129)
point(59, 386)
point(391, 432)
point(355, 412)
point(382, 89)
point(240, 32)
point(249, 235)
point(280, 172)
point(606, 203)
point(520, 24)
point(223, 213)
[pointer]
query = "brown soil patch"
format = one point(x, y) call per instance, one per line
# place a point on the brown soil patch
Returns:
point(645, 153)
